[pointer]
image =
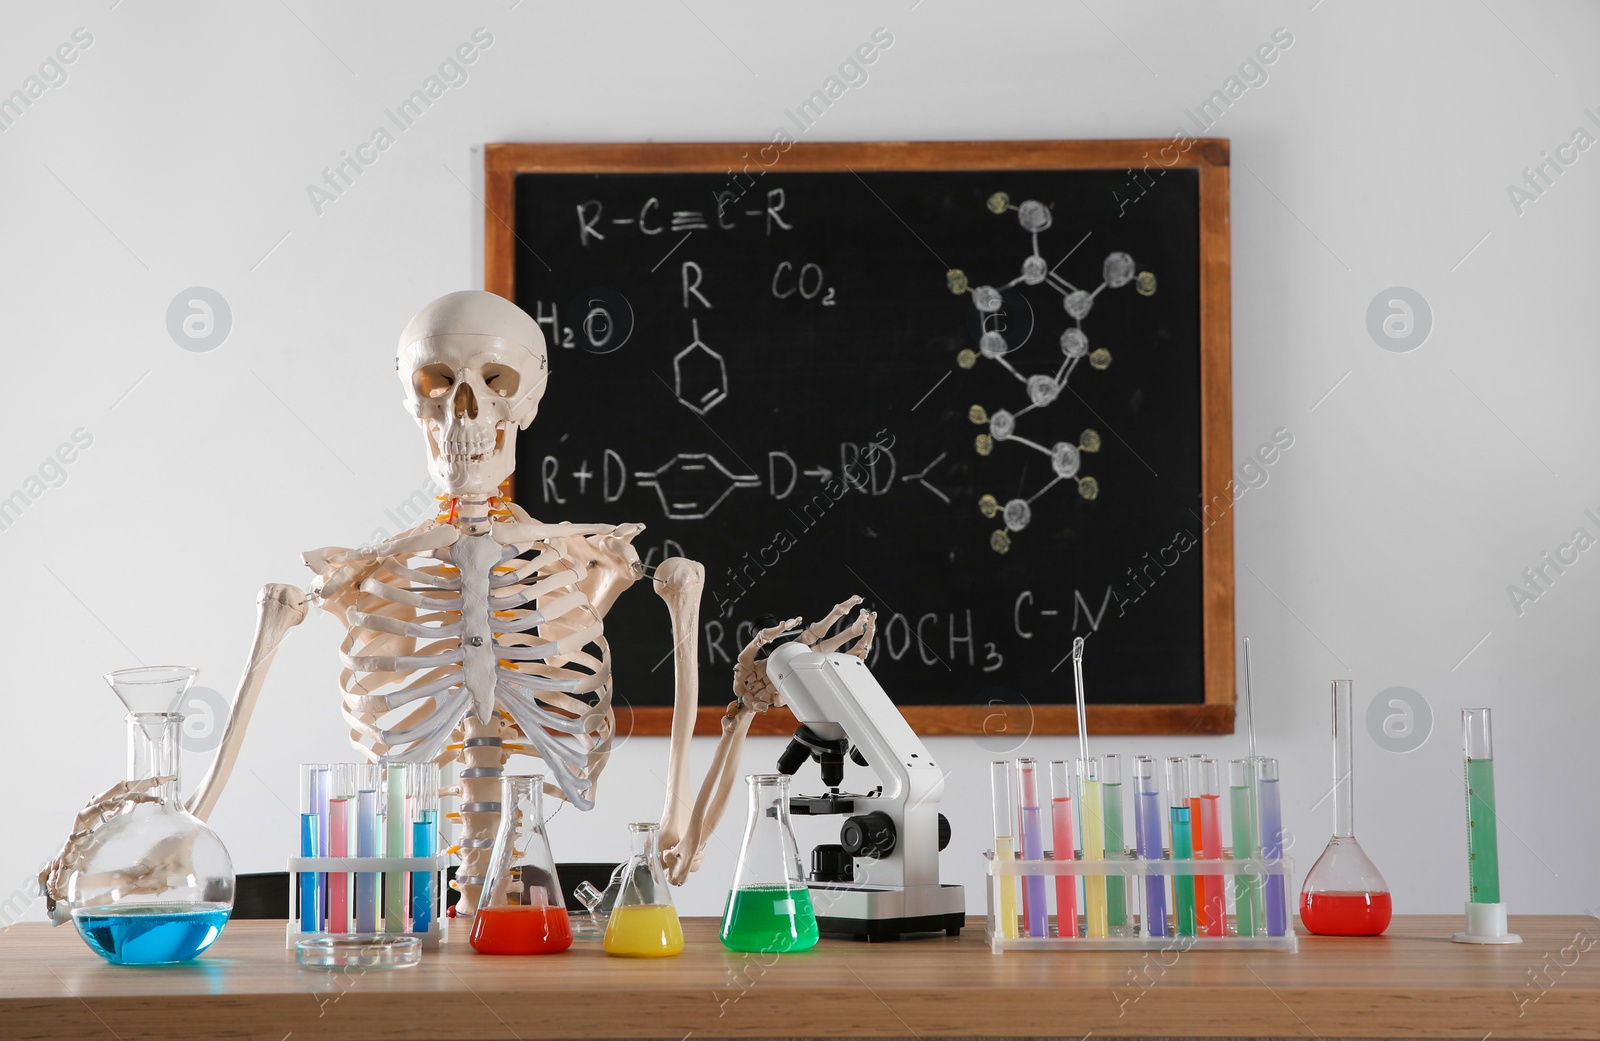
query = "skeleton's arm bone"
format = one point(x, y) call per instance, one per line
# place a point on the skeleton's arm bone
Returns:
point(279, 608)
point(685, 827)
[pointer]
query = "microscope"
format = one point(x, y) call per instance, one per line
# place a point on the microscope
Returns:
point(881, 880)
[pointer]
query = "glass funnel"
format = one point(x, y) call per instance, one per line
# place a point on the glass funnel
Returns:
point(521, 910)
point(769, 908)
point(155, 885)
point(1344, 895)
point(643, 922)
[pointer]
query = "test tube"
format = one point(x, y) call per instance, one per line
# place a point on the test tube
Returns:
point(1035, 908)
point(313, 781)
point(1246, 888)
point(395, 826)
point(1267, 801)
point(341, 795)
point(1061, 836)
point(1116, 848)
point(367, 779)
point(1093, 826)
point(1004, 845)
point(1196, 838)
point(1483, 841)
point(423, 780)
point(1182, 844)
point(1213, 912)
point(1147, 832)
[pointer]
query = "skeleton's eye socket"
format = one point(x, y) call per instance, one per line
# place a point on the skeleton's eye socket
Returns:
point(433, 381)
point(502, 379)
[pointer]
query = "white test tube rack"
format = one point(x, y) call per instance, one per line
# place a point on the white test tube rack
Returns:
point(438, 931)
point(1132, 936)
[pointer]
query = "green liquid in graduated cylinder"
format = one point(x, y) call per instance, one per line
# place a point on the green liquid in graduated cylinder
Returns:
point(769, 919)
point(1116, 905)
point(1483, 842)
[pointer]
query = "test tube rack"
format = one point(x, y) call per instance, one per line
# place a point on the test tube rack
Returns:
point(1133, 935)
point(438, 926)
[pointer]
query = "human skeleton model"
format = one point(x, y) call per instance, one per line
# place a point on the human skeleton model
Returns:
point(479, 634)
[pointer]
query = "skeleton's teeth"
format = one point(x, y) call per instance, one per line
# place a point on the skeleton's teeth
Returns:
point(467, 449)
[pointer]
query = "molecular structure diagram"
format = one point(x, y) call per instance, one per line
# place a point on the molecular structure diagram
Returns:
point(1043, 389)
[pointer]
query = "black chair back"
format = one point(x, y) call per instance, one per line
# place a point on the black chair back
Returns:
point(265, 894)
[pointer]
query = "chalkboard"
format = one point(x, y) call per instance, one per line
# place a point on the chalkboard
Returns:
point(983, 385)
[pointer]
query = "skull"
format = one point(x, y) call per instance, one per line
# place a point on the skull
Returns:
point(474, 368)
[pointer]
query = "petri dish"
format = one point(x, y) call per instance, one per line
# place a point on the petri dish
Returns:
point(359, 951)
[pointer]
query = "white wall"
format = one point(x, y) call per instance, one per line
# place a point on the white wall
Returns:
point(178, 152)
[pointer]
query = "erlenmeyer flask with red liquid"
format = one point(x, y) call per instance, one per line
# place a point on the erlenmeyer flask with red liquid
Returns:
point(520, 910)
point(1344, 894)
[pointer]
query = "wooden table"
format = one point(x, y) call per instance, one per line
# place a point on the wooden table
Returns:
point(1411, 983)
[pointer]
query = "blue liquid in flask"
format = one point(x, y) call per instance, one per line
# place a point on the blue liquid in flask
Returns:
point(151, 934)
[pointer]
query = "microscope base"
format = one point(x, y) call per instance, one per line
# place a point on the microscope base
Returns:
point(881, 914)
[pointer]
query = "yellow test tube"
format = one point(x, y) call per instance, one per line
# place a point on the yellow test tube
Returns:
point(1005, 847)
point(1094, 846)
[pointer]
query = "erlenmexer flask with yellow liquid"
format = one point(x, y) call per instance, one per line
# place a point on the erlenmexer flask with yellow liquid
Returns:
point(643, 922)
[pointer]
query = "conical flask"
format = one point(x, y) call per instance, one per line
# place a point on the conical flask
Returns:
point(521, 910)
point(643, 922)
point(1344, 895)
point(769, 908)
point(155, 886)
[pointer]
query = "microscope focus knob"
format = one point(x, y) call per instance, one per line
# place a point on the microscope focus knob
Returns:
point(944, 831)
point(868, 835)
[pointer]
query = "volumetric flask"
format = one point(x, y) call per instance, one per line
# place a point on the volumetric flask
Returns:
point(1344, 895)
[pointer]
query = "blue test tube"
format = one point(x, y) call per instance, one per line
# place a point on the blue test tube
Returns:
point(367, 846)
point(1271, 810)
point(310, 892)
point(424, 800)
point(319, 780)
point(1147, 814)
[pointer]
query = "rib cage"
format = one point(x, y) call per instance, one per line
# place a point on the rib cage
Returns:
point(405, 677)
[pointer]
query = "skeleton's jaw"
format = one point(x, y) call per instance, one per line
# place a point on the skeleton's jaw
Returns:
point(470, 460)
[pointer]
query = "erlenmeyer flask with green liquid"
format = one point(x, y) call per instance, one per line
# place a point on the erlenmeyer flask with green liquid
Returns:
point(769, 908)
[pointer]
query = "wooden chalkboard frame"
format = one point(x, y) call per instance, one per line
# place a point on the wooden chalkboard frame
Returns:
point(1208, 156)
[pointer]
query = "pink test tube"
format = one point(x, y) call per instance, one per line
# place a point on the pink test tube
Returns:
point(1061, 836)
point(343, 791)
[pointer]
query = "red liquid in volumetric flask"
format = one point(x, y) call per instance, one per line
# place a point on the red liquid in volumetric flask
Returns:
point(1346, 914)
point(521, 930)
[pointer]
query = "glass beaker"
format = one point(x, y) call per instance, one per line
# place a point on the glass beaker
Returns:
point(643, 922)
point(154, 886)
point(1344, 895)
point(521, 910)
point(769, 908)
